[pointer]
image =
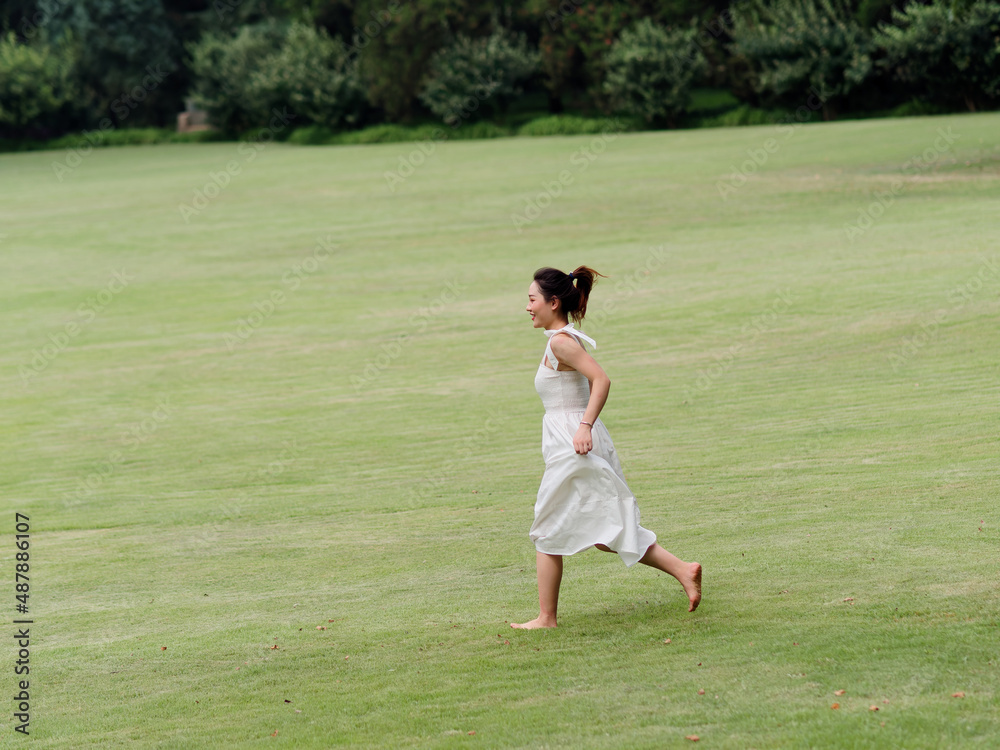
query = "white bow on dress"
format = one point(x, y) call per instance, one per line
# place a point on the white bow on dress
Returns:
point(570, 329)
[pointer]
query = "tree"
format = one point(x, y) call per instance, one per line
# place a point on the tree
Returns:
point(945, 57)
point(575, 38)
point(800, 46)
point(38, 88)
point(472, 77)
point(129, 52)
point(241, 79)
point(314, 75)
point(395, 41)
point(650, 70)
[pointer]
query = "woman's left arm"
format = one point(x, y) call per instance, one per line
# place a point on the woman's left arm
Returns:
point(579, 359)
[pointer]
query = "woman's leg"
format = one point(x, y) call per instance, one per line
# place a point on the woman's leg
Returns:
point(550, 568)
point(689, 574)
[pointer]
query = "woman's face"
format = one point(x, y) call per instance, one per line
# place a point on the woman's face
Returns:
point(542, 314)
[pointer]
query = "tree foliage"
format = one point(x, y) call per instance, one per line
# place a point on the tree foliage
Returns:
point(650, 70)
point(37, 84)
point(473, 77)
point(800, 46)
point(945, 57)
point(340, 63)
point(396, 41)
point(241, 79)
point(575, 38)
point(129, 51)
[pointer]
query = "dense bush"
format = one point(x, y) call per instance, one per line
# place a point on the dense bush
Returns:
point(37, 85)
point(471, 78)
point(223, 68)
point(574, 125)
point(651, 69)
point(314, 75)
point(945, 57)
point(240, 80)
point(800, 49)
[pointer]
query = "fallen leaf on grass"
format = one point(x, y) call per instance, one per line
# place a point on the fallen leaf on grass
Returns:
point(667, 640)
point(835, 706)
point(274, 733)
point(839, 692)
point(701, 692)
point(163, 648)
point(692, 737)
point(958, 695)
point(472, 732)
point(274, 647)
point(849, 599)
point(873, 708)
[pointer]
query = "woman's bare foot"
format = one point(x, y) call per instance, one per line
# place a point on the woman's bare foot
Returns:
point(692, 585)
point(538, 622)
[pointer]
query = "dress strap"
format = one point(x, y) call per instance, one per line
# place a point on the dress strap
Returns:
point(565, 329)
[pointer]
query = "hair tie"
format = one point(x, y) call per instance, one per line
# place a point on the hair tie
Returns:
point(570, 275)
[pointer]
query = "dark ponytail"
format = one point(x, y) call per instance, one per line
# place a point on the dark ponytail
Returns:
point(571, 291)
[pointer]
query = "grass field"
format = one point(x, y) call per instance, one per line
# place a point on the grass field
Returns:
point(279, 450)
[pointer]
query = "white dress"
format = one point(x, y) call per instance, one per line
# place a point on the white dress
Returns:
point(583, 500)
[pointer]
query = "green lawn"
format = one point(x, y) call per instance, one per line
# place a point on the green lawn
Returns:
point(279, 452)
